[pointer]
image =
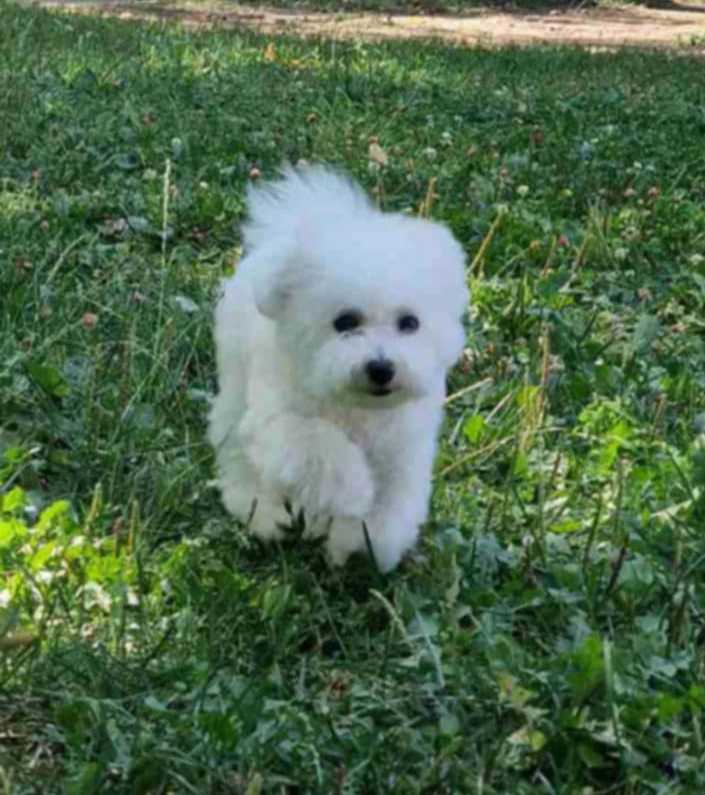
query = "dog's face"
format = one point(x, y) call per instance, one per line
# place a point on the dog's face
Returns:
point(369, 313)
point(368, 352)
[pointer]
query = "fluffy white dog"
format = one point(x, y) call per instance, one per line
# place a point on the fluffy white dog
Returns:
point(333, 342)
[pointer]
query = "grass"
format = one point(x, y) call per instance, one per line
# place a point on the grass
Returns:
point(548, 636)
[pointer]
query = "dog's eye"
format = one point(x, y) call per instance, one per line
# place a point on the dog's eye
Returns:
point(347, 321)
point(408, 324)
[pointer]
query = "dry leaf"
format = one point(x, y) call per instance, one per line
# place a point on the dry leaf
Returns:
point(89, 320)
point(377, 154)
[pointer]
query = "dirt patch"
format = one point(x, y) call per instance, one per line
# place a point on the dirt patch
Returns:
point(673, 25)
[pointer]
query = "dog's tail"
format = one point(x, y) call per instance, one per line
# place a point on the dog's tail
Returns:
point(314, 192)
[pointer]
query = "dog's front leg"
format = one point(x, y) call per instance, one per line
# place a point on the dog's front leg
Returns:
point(401, 505)
point(310, 462)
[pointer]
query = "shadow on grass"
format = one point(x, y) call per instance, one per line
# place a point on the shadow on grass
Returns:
point(668, 5)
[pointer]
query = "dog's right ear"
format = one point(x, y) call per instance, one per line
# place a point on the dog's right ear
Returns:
point(274, 277)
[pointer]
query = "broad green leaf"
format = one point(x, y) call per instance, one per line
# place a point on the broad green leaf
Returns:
point(449, 724)
point(11, 531)
point(55, 513)
point(645, 332)
point(42, 555)
point(474, 428)
point(14, 501)
point(49, 379)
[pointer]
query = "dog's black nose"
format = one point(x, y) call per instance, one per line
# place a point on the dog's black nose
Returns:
point(380, 371)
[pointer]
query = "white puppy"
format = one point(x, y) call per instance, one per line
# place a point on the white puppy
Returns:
point(333, 342)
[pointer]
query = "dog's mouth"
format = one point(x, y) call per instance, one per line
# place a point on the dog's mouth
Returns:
point(381, 391)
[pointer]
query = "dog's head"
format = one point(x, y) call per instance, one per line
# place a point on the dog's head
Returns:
point(367, 305)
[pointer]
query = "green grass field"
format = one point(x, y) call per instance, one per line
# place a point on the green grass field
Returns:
point(549, 634)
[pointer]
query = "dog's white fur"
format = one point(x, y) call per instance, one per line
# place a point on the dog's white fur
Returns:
point(298, 420)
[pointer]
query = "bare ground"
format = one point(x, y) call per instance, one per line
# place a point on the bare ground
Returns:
point(669, 25)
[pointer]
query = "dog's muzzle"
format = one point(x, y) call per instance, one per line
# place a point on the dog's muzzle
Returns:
point(380, 374)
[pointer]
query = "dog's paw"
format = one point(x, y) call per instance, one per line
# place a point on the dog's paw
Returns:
point(317, 526)
point(352, 489)
point(268, 521)
point(337, 556)
point(387, 538)
point(346, 537)
point(339, 483)
point(312, 463)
